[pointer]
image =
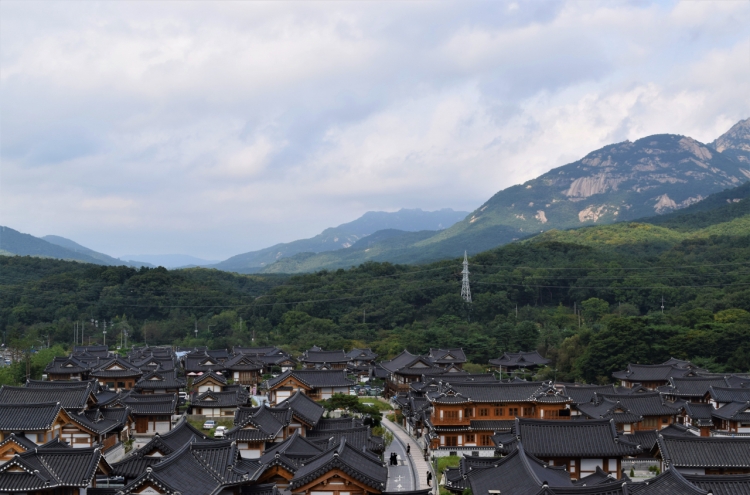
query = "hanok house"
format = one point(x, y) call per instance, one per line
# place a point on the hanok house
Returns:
point(100, 351)
point(256, 427)
point(317, 385)
point(159, 448)
point(53, 469)
point(704, 455)
point(317, 358)
point(465, 415)
point(117, 374)
point(218, 404)
point(67, 368)
point(244, 370)
point(209, 381)
point(306, 413)
point(721, 396)
point(15, 444)
point(341, 470)
point(160, 382)
point(43, 422)
point(447, 357)
point(512, 362)
point(361, 363)
point(655, 375)
point(202, 362)
point(691, 389)
point(151, 413)
point(646, 411)
point(273, 358)
point(198, 468)
point(282, 460)
point(733, 418)
point(405, 369)
point(71, 395)
point(580, 446)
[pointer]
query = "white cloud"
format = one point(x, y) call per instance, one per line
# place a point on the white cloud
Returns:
point(216, 128)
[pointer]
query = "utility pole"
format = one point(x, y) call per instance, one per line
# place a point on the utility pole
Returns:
point(196, 328)
point(662, 304)
point(104, 331)
point(364, 315)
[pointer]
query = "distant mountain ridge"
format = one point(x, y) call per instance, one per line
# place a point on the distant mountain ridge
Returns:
point(15, 243)
point(624, 181)
point(169, 260)
point(345, 236)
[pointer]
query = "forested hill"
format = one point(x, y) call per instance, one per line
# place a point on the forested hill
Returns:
point(616, 277)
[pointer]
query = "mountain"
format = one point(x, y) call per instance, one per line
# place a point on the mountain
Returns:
point(14, 243)
point(624, 181)
point(735, 143)
point(345, 236)
point(169, 260)
point(75, 247)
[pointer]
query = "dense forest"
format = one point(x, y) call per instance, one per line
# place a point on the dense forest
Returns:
point(590, 299)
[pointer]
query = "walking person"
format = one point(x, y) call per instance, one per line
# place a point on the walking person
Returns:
point(429, 479)
point(408, 449)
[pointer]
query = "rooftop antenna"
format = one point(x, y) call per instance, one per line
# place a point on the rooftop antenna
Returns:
point(465, 289)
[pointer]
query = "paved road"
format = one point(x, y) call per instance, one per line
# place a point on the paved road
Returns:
point(415, 464)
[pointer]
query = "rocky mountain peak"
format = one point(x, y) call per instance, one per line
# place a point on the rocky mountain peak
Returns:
point(735, 142)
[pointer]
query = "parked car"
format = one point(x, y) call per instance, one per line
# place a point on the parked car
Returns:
point(183, 395)
point(209, 424)
point(220, 431)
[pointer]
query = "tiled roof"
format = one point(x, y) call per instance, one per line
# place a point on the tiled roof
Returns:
point(321, 356)
point(291, 453)
point(314, 378)
point(734, 411)
point(101, 421)
point(362, 355)
point(116, 368)
point(693, 387)
point(702, 452)
point(608, 409)
point(267, 421)
point(93, 384)
point(338, 423)
point(67, 365)
point(70, 397)
point(725, 484)
point(551, 438)
point(581, 394)
point(358, 437)
point(94, 350)
point(49, 468)
point(304, 408)
point(670, 482)
point(650, 373)
point(19, 440)
point(201, 362)
point(495, 392)
point(646, 404)
point(210, 374)
point(360, 465)
point(399, 361)
point(242, 362)
point(256, 351)
point(28, 417)
point(219, 399)
point(596, 478)
point(518, 473)
point(492, 424)
point(160, 380)
point(520, 359)
point(145, 404)
point(700, 413)
point(725, 394)
point(447, 356)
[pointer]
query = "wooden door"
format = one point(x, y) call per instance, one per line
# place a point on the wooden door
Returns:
point(141, 424)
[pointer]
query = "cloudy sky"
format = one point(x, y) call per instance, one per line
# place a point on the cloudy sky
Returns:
point(214, 128)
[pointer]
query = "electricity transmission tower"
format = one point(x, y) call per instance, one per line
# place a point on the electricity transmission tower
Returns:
point(465, 289)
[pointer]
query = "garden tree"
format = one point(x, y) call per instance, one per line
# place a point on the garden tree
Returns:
point(350, 403)
point(526, 336)
point(594, 309)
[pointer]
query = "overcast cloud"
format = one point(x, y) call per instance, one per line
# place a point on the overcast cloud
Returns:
point(215, 128)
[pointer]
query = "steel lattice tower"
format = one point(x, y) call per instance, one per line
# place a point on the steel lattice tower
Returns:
point(465, 289)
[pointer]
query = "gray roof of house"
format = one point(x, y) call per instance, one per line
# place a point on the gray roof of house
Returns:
point(28, 417)
point(705, 452)
point(592, 438)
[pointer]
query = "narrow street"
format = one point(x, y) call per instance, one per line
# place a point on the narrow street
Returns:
point(411, 473)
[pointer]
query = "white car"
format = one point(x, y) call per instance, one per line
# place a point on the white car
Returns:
point(209, 424)
point(220, 431)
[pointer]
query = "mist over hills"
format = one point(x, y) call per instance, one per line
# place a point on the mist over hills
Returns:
point(347, 235)
point(170, 260)
point(624, 181)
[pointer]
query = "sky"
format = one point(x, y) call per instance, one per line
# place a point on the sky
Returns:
point(220, 127)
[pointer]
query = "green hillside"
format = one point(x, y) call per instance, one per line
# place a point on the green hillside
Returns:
point(18, 244)
point(590, 299)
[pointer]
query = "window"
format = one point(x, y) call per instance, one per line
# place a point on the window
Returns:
point(451, 441)
point(485, 440)
point(470, 438)
point(650, 422)
point(120, 384)
point(484, 411)
point(469, 412)
point(81, 440)
point(111, 385)
point(498, 411)
point(552, 414)
point(451, 414)
point(664, 420)
point(513, 411)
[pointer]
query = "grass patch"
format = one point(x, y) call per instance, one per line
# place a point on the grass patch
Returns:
point(198, 425)
point(374, 402)
point(445, 462)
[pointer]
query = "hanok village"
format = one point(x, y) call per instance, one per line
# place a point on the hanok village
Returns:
point(145, 423)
